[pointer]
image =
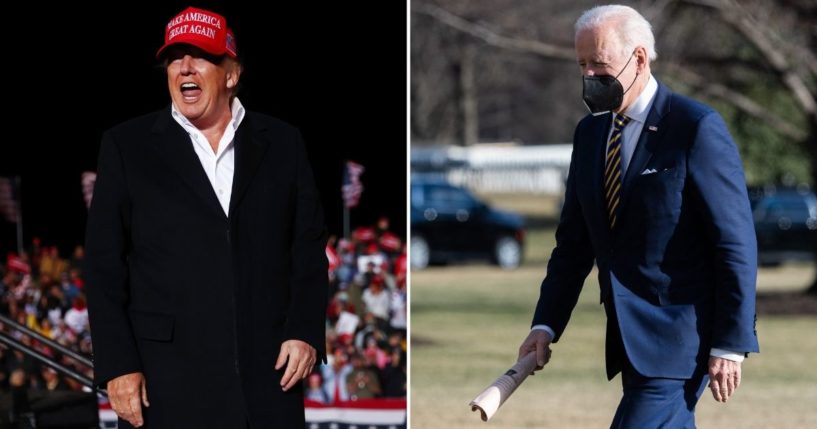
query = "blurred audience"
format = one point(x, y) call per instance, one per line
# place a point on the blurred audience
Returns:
point(366, 317)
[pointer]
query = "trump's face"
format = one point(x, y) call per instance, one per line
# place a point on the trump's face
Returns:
point(201, 85)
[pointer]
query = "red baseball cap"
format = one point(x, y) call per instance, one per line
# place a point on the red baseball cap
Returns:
point(201, 28)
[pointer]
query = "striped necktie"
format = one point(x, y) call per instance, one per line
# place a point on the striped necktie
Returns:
point(612, 168)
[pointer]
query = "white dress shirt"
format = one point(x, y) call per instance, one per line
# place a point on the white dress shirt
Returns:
point(638, 112)
point(220, 165)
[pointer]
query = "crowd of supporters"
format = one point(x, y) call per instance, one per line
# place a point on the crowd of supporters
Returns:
point(366, 317)
point(43, 291)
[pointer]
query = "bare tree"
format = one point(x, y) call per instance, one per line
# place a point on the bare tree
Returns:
point(783, 35)
point(511, 62)
point(480, 71)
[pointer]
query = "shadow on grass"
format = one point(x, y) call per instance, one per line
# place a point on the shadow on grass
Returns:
point(471, 307)
point(420, 341)
point(794, 303)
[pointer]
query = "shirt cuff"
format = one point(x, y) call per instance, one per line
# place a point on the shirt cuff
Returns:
point(726, 354)
point(545, 328)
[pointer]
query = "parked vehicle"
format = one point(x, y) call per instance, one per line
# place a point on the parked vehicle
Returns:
point(786, 225)
point(448, 223)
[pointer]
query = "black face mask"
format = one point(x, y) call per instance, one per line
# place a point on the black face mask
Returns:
point(602, 94)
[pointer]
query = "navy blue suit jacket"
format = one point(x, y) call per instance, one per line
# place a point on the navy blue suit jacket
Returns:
point(680, 264)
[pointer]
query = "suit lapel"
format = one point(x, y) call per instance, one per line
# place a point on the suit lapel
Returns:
point(647, 142)
point(176, 150)
point(250, 146)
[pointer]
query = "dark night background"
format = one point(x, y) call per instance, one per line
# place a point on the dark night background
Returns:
point(335, 70)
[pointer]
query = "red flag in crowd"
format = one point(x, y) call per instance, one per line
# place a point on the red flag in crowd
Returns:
point(332, 257)
point(88, 180)
point(17, 264)
point(8, 200)
point(352, 188)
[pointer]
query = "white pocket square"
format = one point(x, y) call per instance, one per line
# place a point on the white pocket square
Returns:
point(649, 171)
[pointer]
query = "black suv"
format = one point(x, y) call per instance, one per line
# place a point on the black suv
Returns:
point(448, 223)
point(786, 225)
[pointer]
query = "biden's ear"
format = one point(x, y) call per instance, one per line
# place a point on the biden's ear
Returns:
point(642, 59)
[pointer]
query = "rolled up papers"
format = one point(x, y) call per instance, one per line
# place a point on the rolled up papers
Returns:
point(489, 401)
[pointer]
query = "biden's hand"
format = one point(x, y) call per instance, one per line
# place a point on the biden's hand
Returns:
point(299, 358)
point(538, 341)
point(127, 393)
point(724, 377)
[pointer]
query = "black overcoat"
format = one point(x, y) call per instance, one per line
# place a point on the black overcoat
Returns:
point(196, 299)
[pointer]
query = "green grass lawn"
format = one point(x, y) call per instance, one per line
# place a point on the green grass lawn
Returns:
point(467, 322)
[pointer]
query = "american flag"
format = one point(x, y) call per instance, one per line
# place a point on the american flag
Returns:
point(8, 200)
point(360, 414)
point(352, 188)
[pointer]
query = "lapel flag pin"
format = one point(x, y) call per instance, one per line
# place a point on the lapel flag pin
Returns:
point(652, 128)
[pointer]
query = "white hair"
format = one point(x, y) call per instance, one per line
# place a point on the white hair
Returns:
point(632, 29)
